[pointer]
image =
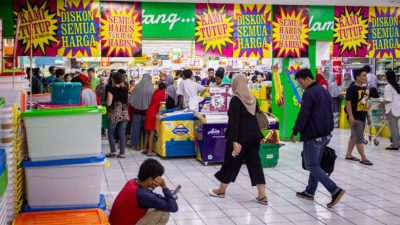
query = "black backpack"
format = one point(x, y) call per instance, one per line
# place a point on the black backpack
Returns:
point(327, 161)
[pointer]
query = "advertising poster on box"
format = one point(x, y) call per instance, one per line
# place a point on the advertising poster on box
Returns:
point(220, 98)
point(214, 30)
point(350, 32)
point(290, 32)
point(43, 16)
point(121, 29)
point(78, 28)
point(384, 32)
point(252, 34)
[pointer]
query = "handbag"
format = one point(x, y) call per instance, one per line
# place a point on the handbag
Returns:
point(262, 120)
point(327, 161)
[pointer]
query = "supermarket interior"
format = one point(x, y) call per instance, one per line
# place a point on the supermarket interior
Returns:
point(144, 112)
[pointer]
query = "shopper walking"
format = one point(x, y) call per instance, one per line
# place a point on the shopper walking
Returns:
point(336, 95)
point(243, 141)
point(316, 106)
point(357, 111)
point(117, 101)
point(150, 121)
point(372, 79)
point(140, 101)
point(392, 105)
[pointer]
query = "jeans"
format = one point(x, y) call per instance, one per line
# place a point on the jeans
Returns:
point(394, 128)
point(313, 152)
point(137, 129)
point(119, 127)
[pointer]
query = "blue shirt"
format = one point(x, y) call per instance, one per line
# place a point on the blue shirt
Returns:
point(148, 199)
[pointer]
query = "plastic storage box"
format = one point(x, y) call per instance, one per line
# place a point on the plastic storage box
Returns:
point(3, 209)
point(65, 93)
point(64, 183)
point(75, 217)
point(3, 172)
point(269, 155)
point(63, 133)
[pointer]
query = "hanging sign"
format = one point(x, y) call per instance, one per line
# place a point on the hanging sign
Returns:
point(384, 32)
point(252, 31)
point(350, 32)
point(290, 31)
point(78, 28)
point(294, 84)
point(214, 30)
point(276, 78)
point(43, 16)
point(121, 29)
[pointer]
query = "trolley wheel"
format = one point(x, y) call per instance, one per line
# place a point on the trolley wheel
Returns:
point(376, 142)
point(365, 141)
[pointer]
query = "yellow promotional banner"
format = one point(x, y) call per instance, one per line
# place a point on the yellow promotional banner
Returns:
point(384, 32)
point(121, 29)
point(252, 34)
point(78, 28)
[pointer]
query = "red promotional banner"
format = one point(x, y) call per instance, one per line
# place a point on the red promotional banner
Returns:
point(43, 16)
point(290, 32)
point(121, 29)
point(350, 32)
point(214, 30)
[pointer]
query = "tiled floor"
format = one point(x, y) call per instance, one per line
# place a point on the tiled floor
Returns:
point(373, 193)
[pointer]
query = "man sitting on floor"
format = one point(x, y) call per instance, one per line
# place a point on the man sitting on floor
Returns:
point(138, 204)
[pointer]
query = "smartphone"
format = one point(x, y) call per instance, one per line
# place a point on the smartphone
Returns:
point(178, 188)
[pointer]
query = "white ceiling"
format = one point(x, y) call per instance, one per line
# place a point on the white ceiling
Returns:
point(294, 2)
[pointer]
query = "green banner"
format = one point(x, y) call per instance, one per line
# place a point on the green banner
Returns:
point(167, 20)
point(321, 22)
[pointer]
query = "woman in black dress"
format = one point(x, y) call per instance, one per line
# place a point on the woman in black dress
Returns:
point(243, 141)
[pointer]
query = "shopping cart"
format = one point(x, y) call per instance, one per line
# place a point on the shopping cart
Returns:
point(378, 120)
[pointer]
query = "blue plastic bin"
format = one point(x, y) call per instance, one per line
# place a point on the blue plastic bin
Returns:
point(65, 93)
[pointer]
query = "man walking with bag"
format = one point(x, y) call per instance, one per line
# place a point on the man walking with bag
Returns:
point(315, 124)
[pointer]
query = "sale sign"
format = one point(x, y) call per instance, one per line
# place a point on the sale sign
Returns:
point(294, 84)
point(252, 31)
point(350, 31)
point(290, 33)
point(42, 14)
point(384, 32)
point(78, 28)
point(214, 30)
point(276, 78)
point(121, 29)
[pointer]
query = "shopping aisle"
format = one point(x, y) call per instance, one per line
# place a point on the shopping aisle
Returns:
point(373, 193)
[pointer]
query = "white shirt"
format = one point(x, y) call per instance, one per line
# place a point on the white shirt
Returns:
point(189, 89)
point(372, 81)
point(89, 97)
point(391, 95)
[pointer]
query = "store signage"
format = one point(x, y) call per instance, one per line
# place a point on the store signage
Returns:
point(78, 28)
point(294, 84)
point(276, 78)
point(290, 33)
point(180, 130)
point(121, 29)
point(350, 32)
point(214, 30)
point(42, 14)
point(321, 22)
point(384, 32)
point(166, 20)
point(252, 31)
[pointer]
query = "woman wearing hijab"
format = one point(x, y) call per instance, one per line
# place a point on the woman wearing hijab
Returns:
point(336, 94)
point(392, 106)
point(172, 97)
point(243, 142)
point(140, 101)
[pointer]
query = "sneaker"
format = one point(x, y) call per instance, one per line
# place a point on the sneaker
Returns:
point(392, 149)
point(336, 198)
point(305, 196)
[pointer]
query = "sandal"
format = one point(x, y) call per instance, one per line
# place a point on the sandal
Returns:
point(216, 195)
point(122, 156)
point(151, 154)
point(367, 162)
point(263, 201)
point(111, 155)
point(352, 158)
point(144, 152)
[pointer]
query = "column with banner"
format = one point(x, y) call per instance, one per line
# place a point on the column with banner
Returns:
point(214, 30)
point(42, 14)
point(350, 32)
point(384, 32)
point(121, 29)
point(78, 28)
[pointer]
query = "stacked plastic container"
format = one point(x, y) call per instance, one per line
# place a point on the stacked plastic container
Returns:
point(3, 187)
point(65, 166)
point(10, 141)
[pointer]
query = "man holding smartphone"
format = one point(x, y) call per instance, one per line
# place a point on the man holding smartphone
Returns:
point(138, 204)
